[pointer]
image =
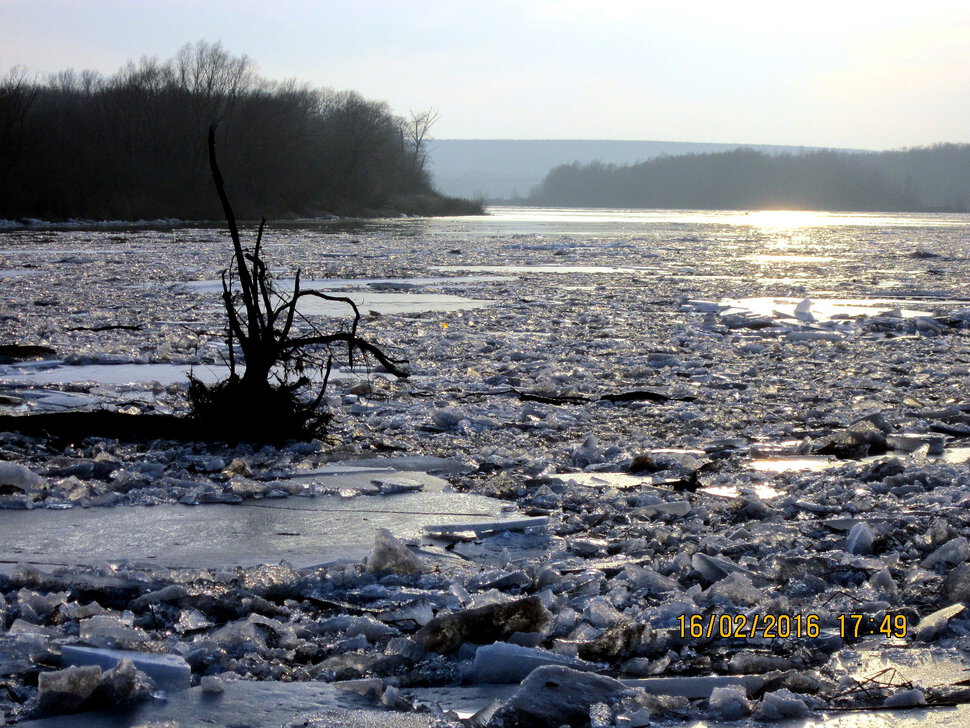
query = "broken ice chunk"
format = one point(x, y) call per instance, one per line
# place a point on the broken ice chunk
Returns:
point(620, 639)
point(123, 683)
point(600, 613)
point(65, 690)
point(447, 418)
point(501, 663)
point(714, 569)
point(482, 625)
point(170, 672)
point(481, 527)
point(729, 703)
point(911, 442)
point(860, 539)
point(22, 626)
point(675, 508)
point(389, 554)
point(699, 686)
point(109, 630)
point(803, 310)
point(757, 662)
point(954, 551)
point(552, 696)
point(417, 612)
point(932, 625)
point(170, 593)
point(370, 628)
point(779, 704)
point(212, 685)
point(956, 586)
point(17, 477)
point(736, 589)
point(883, 580)
point(35, 607)
point(392, 486)
point(905, 699)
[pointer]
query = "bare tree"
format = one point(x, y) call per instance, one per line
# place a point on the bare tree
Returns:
point(415, 130)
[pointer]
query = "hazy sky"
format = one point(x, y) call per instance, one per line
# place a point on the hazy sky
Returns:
point(852, 73)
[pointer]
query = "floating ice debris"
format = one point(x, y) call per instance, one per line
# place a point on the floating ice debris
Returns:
point(169, 672)
point(752, 385)
point(389, 554)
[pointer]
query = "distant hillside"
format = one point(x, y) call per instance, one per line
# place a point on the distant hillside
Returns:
point(508, 168)
point(925, 179)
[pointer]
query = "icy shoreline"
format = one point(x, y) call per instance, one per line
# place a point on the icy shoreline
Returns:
point(656, 514)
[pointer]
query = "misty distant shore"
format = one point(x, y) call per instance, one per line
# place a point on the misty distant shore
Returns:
point(682, 175)
point(930, 179)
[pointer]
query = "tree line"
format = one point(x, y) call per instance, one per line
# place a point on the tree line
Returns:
point(924, 179)
point(133, 145)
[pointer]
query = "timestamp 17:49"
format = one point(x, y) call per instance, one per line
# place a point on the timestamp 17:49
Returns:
point(858, 625)
point(785, 626)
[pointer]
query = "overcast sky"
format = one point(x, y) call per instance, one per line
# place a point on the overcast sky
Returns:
point(853, 73)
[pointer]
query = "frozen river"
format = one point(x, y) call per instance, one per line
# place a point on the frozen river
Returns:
point(717, 412)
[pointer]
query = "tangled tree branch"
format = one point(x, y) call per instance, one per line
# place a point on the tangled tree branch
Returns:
point(278, 343)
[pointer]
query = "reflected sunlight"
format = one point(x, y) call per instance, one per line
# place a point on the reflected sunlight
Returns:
point(789, 219)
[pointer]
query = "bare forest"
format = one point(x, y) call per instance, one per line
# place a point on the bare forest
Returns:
point(133, 145)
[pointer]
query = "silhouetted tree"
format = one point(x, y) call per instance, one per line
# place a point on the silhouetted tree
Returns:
point(279, 346)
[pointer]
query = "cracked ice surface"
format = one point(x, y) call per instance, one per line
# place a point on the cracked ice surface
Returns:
point(849, 377)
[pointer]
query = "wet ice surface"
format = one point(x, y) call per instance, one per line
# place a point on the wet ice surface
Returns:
point(299, 705)
point(802, 452)
point(110, 374)
point(334, 520)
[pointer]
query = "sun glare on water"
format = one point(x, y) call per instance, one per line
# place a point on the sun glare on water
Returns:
point(789, 219)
